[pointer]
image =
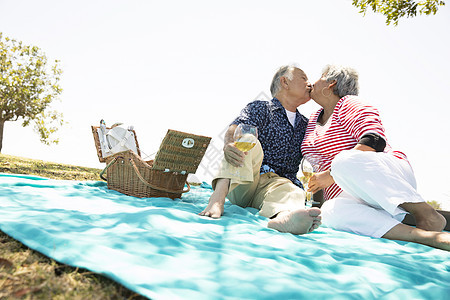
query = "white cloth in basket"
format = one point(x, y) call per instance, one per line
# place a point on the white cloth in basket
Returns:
point(116, 140)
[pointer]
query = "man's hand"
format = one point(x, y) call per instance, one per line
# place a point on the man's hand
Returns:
point(233, 155)
point(320, 181)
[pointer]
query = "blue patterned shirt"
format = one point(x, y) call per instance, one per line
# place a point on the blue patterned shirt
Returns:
point(280, 141)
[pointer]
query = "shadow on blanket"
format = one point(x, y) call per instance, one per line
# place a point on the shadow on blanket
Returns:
point(162, 249)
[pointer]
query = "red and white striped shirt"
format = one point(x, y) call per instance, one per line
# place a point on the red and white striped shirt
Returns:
point(351, 119)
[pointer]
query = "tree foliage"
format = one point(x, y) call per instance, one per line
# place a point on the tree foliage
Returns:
point(28, 86)
point(396, 9)
point(434, 204)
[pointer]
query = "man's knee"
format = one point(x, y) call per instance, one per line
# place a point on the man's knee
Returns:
point(286, 193)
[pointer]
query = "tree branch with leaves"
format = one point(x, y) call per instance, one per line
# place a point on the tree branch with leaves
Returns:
point(396, 9)
point(28, 86)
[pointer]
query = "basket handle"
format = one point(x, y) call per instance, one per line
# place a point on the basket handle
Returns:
point(109, 165)
point(156, 187)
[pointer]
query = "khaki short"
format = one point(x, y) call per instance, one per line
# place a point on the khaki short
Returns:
point(268, 192)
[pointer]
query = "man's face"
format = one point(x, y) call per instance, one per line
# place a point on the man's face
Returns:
point(299, 86)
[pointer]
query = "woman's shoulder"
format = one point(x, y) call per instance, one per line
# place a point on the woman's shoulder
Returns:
point(354, 103)
point(315, 115)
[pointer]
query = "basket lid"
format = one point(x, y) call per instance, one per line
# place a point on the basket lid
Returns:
point(181, 152)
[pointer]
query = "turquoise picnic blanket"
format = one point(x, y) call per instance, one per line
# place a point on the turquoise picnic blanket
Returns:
point(162, 249)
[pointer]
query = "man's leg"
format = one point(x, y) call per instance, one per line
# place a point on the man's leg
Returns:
point(239, 183)
point(300, 221)
point(282, 201)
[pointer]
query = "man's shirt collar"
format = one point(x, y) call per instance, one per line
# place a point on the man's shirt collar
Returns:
point(275, 104)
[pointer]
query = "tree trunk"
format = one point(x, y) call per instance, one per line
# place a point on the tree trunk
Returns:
point(2, 125)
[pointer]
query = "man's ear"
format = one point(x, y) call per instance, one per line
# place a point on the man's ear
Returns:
point(284, 82)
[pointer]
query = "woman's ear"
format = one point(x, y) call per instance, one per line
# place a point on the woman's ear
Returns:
point(332, 84)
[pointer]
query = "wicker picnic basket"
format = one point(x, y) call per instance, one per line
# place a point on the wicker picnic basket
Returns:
point(179, 154)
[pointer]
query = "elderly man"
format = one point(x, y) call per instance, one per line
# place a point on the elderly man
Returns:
point(267, 174)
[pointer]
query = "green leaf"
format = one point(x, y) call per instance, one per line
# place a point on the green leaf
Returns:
point(394, 10)
point(28, 86)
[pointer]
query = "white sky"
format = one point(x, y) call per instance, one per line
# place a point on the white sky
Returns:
point(193, 65)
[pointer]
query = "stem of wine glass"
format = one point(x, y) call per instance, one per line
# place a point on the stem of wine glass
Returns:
point(308, 196)
point(309, 199)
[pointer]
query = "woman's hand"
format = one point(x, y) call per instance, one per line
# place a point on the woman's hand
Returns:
point(320, 181)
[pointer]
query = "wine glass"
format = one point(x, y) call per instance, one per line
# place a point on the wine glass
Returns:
point(245, 137)
point(308, 167)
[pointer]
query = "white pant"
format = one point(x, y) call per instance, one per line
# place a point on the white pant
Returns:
point(374, 184)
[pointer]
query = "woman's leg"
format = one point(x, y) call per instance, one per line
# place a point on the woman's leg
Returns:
point(385, 182)
point(348, 213)
point(427, 218)
point(402, 232)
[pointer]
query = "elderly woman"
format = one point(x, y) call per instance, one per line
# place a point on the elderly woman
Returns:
point(368, 187)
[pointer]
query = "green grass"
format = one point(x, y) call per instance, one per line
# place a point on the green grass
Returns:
point(27, 274)
point(20, 165)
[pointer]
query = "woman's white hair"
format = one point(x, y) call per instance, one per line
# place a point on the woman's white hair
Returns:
point(284, 71)
point(346, 79)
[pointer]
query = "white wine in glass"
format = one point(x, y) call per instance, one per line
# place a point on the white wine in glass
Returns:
point(245, 137)
point(307, 169)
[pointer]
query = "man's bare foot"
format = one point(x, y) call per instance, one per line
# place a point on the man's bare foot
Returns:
point(427, 218)
point(297, 222)
point(215, 207)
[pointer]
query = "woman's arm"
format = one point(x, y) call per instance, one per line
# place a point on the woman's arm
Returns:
point(371, 142)
point(322, 180)
point(363, 147)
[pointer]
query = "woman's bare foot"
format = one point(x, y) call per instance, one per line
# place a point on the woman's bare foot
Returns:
point(442, 241)
point(297, 222)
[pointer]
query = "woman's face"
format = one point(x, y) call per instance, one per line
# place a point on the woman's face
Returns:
point(318, 86)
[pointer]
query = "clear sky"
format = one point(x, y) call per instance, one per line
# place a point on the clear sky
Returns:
point(193, 65)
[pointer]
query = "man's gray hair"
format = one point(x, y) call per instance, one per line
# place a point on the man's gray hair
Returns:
point(284, 71)
point(346, 79)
